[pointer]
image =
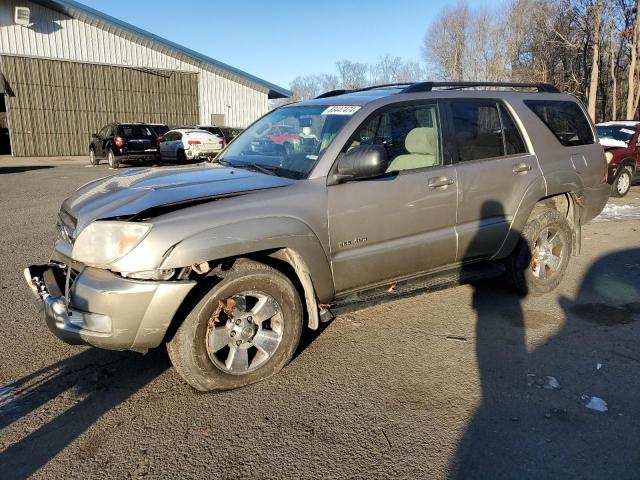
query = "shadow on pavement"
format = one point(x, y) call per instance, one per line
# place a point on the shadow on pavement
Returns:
point(99, 381)
point(28, 168)
point(526, 426)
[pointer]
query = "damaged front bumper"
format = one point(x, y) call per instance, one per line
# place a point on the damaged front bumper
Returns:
point(96, 307)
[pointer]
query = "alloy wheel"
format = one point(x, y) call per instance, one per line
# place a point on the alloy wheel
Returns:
point(624, 182)
point(547, 253)
point(244, 332)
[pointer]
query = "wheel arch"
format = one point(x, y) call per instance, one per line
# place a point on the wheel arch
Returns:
point(567, 203)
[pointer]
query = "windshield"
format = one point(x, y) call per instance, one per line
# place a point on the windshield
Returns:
point(289, 140)
point(617, 133)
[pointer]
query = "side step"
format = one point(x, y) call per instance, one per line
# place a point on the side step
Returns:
point(352, 302)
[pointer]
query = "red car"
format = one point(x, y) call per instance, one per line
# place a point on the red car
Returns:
point(621, 139)
point(283, 133)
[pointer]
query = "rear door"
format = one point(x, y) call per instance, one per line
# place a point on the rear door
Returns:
point(403, 222)
point(494, 170)
point(138, 138)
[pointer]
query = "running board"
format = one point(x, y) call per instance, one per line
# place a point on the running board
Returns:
point(352, 302)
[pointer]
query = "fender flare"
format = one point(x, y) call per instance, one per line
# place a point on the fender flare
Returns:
point(302, 250)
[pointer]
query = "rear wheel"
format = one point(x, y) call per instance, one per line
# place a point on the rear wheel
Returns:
point(622, 182)
point(92, 157)
point(244, 330)
point(539, 261)
point(113, 161)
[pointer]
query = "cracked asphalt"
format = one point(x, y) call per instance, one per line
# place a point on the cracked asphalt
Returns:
point(448, 384)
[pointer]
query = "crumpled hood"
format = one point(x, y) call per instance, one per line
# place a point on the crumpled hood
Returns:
point(136, 190)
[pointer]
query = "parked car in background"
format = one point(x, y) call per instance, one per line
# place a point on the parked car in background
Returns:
point(217, 131)
point(119, 142)
point(406, 186)
point(159, 128)
point(230, 133)
point(620, 140)
point(189, 144)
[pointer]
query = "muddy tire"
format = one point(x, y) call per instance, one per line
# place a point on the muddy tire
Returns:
point(539, 261)
point(245, 329)
point(622, 182)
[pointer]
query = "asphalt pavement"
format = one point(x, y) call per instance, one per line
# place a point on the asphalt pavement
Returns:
point(470, 382)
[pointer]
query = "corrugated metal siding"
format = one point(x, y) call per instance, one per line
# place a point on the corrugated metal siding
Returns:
point(54, 35)
point(58, 104)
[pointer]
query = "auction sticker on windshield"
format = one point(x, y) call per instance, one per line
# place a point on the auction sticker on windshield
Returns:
point(341, 110)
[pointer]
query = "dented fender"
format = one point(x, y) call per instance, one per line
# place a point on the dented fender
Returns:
point(257, 235)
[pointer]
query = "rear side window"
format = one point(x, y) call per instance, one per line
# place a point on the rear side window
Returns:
point(566, 120)
point(513, 142)
point(477, 129)
point(135, 131)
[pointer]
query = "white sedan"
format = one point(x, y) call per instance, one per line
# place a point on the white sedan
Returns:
point(187, 143)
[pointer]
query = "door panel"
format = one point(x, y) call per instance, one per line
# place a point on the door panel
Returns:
point(391, 227)
point(490, 194)
point(402, 223)
point(494, 171)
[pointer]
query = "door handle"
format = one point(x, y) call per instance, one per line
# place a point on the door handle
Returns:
point(521, 168)
point(440, 182)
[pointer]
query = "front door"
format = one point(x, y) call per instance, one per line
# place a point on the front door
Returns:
point(403, 222)
point(494, 171)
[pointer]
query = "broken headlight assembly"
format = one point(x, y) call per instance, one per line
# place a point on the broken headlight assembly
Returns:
point(157, 274)
point(104, 242)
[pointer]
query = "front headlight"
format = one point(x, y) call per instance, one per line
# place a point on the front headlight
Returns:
point(102, 243)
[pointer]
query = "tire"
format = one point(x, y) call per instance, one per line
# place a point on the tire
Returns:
point(539, 261)
point(92, 157)
point(113, 161)
point(204, 349)
point(181, 157)
point(622, 182)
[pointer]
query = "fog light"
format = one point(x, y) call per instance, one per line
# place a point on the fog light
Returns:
point(157, 274)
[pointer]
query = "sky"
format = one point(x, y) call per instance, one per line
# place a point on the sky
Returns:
point(280, 40)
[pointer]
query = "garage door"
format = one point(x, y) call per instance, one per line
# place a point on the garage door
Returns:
point(55, 106)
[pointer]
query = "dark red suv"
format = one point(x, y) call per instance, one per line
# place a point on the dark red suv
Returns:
point(621, 140)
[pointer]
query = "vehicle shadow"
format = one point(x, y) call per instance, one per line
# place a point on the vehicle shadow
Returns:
point(526, 425)
point(96, 380)
point(28, 168)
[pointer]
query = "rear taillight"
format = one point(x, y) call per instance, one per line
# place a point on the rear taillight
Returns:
point(158, 141)
point(194, 142)
point(224, 142)
point(118, 141)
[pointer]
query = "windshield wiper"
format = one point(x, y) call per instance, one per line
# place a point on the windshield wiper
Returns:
point(254, 166)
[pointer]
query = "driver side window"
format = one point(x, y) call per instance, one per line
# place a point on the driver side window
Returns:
point(411, 135)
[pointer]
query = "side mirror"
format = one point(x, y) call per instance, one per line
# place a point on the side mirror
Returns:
point(363, 161)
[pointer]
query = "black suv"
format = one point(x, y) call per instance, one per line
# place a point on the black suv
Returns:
point(124, 141)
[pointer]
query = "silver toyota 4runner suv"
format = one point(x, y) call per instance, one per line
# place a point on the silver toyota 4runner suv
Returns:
point(411, 186)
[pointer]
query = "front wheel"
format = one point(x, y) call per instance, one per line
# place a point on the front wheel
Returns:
point(245, 329)
point(540, 259)
point(622, 182)
point(92, 157)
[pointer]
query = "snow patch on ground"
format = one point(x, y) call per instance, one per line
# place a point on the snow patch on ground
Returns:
point(618, 213)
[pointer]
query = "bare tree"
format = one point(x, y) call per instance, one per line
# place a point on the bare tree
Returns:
point(595, 61)
point(386, 69)
point(444, 42)
point(631, 74)
point(352, 74)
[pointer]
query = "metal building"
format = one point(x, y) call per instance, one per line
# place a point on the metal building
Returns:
point(67, 69)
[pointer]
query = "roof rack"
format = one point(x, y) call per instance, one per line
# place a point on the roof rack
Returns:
point(429, 86)
point(342, 91)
